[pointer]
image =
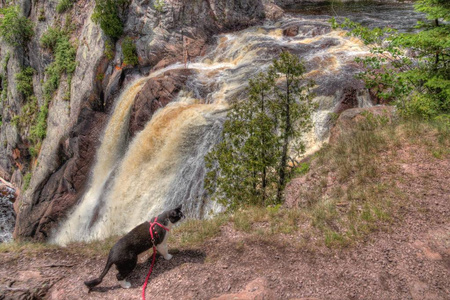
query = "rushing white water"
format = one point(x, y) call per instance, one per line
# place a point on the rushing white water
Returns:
point(164, 164)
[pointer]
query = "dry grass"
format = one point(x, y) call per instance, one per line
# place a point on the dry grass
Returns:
point(25, 247)
point(351, 192)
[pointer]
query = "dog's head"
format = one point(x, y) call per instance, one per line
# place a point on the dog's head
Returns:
point(176, 215)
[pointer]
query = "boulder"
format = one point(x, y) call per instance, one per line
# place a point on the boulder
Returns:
point(350, 117)
point(290, 31)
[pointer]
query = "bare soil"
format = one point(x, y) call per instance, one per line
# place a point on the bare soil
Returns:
point(409, 261)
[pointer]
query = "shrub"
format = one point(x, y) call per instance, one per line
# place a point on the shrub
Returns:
point(26, 181)
point(58, 42)
point(108, 13)
point(129, 52)
point(41, 17)
point(24, 81)
point(14, 29)
point(39, 130)
point(159, 5)
point(50, 38)
point(64, 5)
point(109, 50)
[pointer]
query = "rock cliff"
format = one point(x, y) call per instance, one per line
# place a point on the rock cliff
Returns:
point(52, 173)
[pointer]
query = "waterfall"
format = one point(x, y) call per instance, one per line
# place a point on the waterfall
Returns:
point(163, 165)
point(111, 150)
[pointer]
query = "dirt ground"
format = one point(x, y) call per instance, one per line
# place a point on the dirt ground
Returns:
point(411, 261)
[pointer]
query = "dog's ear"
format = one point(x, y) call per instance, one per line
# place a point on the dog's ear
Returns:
point(178, 207)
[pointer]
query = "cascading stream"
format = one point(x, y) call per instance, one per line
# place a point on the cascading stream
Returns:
point(164, 164)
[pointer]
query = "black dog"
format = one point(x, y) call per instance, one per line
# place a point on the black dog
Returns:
point(125, 252)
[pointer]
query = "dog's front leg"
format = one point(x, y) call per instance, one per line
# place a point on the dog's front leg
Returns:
point(164, 250)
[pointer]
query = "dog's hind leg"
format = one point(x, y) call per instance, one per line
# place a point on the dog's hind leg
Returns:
point(125, 267)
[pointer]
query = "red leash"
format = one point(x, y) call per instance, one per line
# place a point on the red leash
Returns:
point(154, 254)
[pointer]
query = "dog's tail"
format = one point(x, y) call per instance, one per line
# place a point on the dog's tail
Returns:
point(91, 283)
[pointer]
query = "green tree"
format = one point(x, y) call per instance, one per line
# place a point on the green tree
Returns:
point(412, 69)
point(293, 106)
point(15, 30)
point(260, 136)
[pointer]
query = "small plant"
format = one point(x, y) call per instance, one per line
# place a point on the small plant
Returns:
point(26, 181)
point(57, 41)
point(24, 81)
point(107, 13)
point(51, 37)
point(64, 5)
point(39, 130)
point(5, 62)
point(302, 169)
point(41, 17)
point(159, 5)
point(129, 52)
point(14, 29)
point(100, 76)
point(109, 50)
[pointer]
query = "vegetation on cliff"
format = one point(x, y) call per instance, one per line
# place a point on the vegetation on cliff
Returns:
point(15, 30)
point(108, 14)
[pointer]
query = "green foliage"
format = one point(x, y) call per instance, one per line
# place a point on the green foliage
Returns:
point(64, 5)
point(26, 181)
point(159, 5)
point(51, 37)
point(41, 17)
point(109, 50)
point(129, 52)
point(39, 130)
point(15, 29)
point(108, 14)
point(412, 69)
point(24, 81)
point(5, 62)
point(250, 165)
point(302, 168)
point(57, 41)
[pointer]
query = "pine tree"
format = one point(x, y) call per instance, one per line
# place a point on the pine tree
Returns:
point(250, 164)
point(293, 106)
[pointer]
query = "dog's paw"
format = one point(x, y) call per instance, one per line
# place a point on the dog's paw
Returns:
point(168, 257)
point(125, 284)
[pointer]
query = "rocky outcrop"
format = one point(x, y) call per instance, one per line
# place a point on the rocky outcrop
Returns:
point(7, 214)
point(155, 94)
point(350, 117)
point(179, 31)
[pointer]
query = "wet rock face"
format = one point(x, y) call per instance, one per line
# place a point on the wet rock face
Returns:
point(156, 94)
point(63, 188)
point(7, 214)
